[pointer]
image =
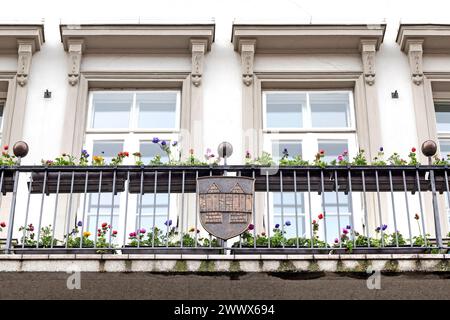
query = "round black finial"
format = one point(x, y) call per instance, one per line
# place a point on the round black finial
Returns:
point(429, 148)
point(225, 150)
point(20, 149)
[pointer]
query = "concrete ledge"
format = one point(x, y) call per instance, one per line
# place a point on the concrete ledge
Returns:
point(226, 264)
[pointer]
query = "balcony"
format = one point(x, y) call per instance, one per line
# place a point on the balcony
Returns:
point(154, 210)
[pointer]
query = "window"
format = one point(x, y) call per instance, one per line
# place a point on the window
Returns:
point(442, 111)
point(300, 123)
point(2, 107)
point(127, 121)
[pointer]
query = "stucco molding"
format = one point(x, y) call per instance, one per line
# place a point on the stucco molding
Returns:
point(414, 49)
point(198, 48)
point(247, 51)
point(368, 51)
point(25, 53)
point(75, 54)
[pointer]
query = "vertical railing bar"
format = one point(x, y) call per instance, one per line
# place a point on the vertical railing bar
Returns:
point(112, 208)
point(196, 214)
point(422, 217)
point(282, 205)
point(41, 210)
point(83, 219)
point(308, 178)
point(296, 209)
point(12, 212)
point(127, 192)
point(407, 208)
point(437, 224)
point(379, 207)
point(55, 211)
point(69, 211)
point(322, 183)
point(366, 215)
point(141, 192)
point(98, 207)
point(338, 211)
point(393, 208)
point(27, 210)
point(268, 208)
point(168, 207)
point(254, 216)
point(182, 208)
point(154, 208)
point(350, 202)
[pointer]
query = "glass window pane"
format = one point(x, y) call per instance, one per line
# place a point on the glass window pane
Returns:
point(149, 150)
point(333, 149)
point(444, 145)
point(442, 117)
point(284, 110)
point(92, 219)
point(294, 148)
point(288, 203)
point(330, 110)
point(332, 226)
point(111, 110)
point(290, 231)
point(157, 110)
point(105, 203)
point(2, 105)
point(331, 204)
point(107, 149)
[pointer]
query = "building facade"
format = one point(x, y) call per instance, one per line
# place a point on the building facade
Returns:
point(304, 89)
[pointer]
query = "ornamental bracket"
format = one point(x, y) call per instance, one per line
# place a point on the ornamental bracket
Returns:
point(368, 50)
point(25, 53)
point(198, 49)
point(415, 54)
point(247, 51)
point(75, 49)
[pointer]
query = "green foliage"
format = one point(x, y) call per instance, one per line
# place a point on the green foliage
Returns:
point(7, 159)
point(360, 159)
point(396, 160)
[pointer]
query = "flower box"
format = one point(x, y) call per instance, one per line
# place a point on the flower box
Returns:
point(60, 250)
point(8, 181)
point(279, 250)
point(170, 250)
point(79, 182)
point(176, 179)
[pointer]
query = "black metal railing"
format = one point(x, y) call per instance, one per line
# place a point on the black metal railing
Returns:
point(153, 209)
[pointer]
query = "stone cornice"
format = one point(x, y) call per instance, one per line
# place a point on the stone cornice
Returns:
point(308, 38)
point(435, 37)
point(137, 38)
point(10, 34)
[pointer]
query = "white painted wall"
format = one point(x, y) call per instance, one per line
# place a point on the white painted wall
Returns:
point(222, 82)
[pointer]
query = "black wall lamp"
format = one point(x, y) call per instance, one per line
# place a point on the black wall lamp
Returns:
point(47, 94)
point(394, 94)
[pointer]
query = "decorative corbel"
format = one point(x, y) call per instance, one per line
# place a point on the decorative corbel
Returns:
point(198, 48)
point(247, 51)
point(368, 50)
point(415, 54)
point(75, 49)
point(25, 52)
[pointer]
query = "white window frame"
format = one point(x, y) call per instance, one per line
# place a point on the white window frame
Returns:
point(133, 121)
point(310, 137)
point(306, 113)
point(131, 138)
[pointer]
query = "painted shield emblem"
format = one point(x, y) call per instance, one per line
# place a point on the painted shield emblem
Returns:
point(225, 205)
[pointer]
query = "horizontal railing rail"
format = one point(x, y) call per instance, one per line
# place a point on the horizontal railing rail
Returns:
point(154, 209)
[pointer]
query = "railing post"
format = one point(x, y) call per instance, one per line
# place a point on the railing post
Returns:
point(429, 149)
point(12, 212)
